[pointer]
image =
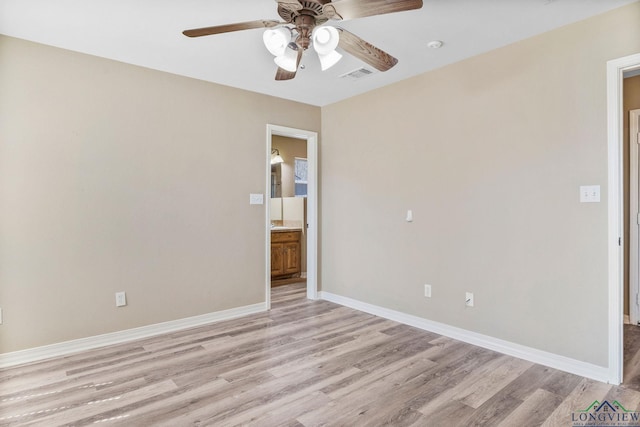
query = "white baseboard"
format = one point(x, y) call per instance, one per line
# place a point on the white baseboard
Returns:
point(552, 360)
point(74, 346)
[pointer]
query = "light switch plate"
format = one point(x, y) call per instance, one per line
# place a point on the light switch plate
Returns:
point(256, 199)
point(121, 299)
point(427, 291)
point(589, 194)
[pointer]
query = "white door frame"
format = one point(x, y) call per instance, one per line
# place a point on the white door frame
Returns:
point(312, 207)
point(634, 218)
point(615, 77)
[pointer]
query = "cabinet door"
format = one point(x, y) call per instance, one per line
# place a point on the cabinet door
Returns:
point(291, 257)
point(277, 259)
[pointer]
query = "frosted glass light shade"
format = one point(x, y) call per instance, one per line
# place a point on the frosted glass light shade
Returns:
point(276, 40)
point(276, 157)
point(288, 61)
point(325, 39)
point(329, 60)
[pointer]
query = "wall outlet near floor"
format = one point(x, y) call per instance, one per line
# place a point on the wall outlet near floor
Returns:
point(121, 299)
point(468, 301)
point(427, 291)
point(0, 316)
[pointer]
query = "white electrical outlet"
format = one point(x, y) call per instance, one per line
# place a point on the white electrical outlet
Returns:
point(0, 316)
point(589, 194)
point(256, 199)
point(427, 291)
point(468, 301)
point(121, 299)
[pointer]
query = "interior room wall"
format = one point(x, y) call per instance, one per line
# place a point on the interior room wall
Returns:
point(119, 178)
point(489, 154)
point(631, 101)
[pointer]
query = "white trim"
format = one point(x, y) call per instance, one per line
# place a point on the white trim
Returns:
point(615, 77)
point(267, 222)
point(312, 217)
point(552, 360)
point(89, 343)
point(634, 217)
point(312, 207)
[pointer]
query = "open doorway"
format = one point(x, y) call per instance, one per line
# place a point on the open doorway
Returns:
point(631, 161)
point(617, 70)
point(288, 210)
point(291, 214)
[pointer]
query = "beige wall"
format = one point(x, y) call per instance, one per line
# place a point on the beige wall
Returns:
point(118, 178)
point(114, 177)
point(631, 101)
point(489, 153)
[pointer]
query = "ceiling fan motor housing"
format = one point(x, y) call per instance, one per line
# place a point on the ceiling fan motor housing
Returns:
point(305, 15)
point(314, 8)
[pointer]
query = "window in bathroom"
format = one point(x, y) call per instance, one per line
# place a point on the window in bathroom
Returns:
point(300, 177)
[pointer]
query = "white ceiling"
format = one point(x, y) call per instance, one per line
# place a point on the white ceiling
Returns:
point(149, 33)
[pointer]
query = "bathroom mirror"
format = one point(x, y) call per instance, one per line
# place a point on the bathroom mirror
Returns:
point(276, 193)
point(276, 180)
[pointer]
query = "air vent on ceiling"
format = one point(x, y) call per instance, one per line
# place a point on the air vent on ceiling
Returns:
point(357, 74)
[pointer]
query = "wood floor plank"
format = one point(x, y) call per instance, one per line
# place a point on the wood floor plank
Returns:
point(581, 397)
point(288, 413)
point(303, 363)
point(186, 402)
point(491, 412)
point(534, 411)
point(457, 390)
point(506, 400)
point(492, 382)
point(561, 383)
point(266, 396)
point(453, 414)
point(629, 397)
point(396, 372)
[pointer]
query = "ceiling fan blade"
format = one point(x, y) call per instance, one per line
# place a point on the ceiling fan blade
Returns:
point(365, 51)
point(240, 26)
point(283, 74)
point(290, 4)
point(350, 9)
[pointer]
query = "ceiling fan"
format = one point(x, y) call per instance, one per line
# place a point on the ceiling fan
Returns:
point(303, 27)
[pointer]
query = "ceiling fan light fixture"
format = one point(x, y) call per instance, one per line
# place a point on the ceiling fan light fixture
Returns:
point(325, 39)
point(276, 40)
point(329, 60)
point(289, 60)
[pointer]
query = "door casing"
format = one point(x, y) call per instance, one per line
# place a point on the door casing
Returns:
point(634, 218)
point(615, 78)
point(312, 207)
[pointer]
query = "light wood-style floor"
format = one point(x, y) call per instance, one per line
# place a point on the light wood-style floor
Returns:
point(632, 357)
point(305, 363)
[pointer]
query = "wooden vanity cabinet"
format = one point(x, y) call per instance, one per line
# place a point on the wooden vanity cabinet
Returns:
point(285, 253)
